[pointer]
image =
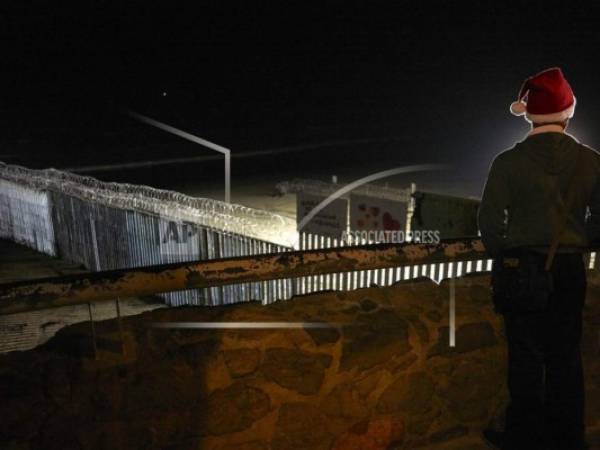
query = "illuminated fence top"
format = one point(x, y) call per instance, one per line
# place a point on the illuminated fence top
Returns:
point(322, 188)
point(168, 204)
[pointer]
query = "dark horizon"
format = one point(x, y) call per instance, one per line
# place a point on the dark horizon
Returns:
point(434, 82)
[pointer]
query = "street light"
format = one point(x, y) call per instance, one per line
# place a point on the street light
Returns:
point(190, 137)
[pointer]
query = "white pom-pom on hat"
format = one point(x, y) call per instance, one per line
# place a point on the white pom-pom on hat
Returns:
point(518, 108)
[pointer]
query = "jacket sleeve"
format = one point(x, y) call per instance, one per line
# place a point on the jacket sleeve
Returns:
point(493, 209)
point(593, 220)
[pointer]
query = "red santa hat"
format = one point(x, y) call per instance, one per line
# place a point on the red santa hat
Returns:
point(545, 97)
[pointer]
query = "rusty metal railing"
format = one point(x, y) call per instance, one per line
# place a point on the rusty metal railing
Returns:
point(108, 285)
point(447, 259)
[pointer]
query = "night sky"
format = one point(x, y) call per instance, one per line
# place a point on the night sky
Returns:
point(430, 81)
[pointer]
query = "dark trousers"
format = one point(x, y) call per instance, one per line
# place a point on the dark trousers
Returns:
point(545, 377)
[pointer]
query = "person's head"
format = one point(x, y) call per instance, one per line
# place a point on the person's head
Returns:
point(545, 98)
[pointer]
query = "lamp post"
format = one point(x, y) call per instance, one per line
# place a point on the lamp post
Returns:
point(190, 137)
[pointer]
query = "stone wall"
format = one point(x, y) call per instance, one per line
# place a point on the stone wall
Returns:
point(384, 377)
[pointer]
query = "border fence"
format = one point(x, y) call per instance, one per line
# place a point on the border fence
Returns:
point(106, 226)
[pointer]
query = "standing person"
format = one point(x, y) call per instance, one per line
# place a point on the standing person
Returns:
point(542, 197)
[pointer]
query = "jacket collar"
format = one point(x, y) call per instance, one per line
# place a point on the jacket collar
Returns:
point(552, 127)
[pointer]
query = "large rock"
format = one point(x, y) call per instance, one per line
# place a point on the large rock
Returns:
point(148, 393)
point(322, 336)
point(420, 328)
point(469, 337)
point(196, 354)
point(301, 426)
point(367, 384)
point(410, 394)
point(448, 434)
point(294, 369)
point(471, 390)
point(373, 339)
point(419, 424)
point(433, 315)
point(344, 402)
point(235, 408)
point(251, 445)
point(368, 305)
point(243, 361)
point(379, 433)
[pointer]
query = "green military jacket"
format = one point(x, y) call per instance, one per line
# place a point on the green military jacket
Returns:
point(525, 194)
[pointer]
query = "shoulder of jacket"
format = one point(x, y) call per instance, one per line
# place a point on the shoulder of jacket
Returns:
point(505, 156)
point(590, 151)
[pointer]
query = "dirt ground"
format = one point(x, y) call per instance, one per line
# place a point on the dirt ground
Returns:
point(386, 365)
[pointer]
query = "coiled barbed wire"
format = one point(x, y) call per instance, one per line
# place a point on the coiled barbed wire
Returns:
point(227, 217)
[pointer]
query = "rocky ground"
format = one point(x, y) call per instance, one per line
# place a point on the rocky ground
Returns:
point(382, 377)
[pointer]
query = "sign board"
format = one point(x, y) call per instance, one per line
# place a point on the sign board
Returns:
point(452, 216)
point(376, 214)
point(331, 221)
